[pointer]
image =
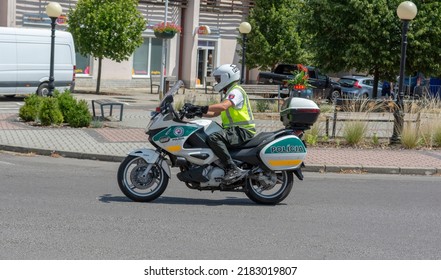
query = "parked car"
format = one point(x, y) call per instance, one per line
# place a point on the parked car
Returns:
point(322, 86)
point(358, 87)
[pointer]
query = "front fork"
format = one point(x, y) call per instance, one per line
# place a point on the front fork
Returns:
point(151, 157)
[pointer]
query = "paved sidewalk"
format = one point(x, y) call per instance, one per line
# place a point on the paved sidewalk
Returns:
point(116, 139)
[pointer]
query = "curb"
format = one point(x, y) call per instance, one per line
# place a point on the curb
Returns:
point(389, 170)
point(66, 154)
point(318, 168)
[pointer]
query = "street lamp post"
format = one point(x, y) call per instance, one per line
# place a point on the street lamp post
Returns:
point(163, 57)
point(244, 29)
point(406, 11)
point(53, 10)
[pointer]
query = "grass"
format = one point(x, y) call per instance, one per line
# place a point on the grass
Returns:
point(410, 137)
point(437, 136)
point(423, 114)
point(96, 123)
point(354, 132)
point(312, 135)
point(375, 140)
point(262, 106)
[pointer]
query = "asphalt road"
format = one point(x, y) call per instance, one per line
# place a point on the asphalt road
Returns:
point(58, 208)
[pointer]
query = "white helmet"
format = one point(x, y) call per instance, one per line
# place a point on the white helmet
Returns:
point(225, 75)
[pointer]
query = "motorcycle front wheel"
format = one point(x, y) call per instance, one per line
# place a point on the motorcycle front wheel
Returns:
point(273, 193)
point(138, 185)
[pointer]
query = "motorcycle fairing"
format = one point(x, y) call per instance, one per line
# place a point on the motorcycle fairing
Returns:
point(151, 156)
point(173, 139)
point(284, 153)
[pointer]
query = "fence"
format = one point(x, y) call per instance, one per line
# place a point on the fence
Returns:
point(430, 91)
point(351, 110)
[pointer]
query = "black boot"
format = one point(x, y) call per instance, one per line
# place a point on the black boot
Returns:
point(233, 174)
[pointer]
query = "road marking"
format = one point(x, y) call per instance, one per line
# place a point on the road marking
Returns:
point(6, 163)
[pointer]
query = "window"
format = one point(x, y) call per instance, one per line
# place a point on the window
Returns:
point(147, 58)
point(155, 65)
point(83, 64)
point(368, 82)
point(140, 59)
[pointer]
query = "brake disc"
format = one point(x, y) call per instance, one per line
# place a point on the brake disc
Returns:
point(267, 181)
point(139, 180)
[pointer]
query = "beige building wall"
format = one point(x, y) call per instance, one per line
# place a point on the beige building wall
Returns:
point(7, 12)
point(182, 51)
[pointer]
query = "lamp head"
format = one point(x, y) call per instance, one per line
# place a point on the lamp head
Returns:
point(407, 10)
point(244, 28)
point(53, 9)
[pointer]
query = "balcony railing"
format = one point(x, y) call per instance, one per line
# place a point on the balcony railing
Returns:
point(178, 3)
point(226, 6)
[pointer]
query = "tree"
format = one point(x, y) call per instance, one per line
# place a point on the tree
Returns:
point(106, 29)
point(275, 36)
point(366, 35)
point(424, 49)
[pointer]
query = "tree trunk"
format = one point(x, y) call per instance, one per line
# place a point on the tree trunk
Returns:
point(98, 80)
point(375, 89)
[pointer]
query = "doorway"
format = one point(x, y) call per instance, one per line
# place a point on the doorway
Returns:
point(205, 60)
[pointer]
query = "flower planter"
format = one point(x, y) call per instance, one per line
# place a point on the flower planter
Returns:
point(165, 34)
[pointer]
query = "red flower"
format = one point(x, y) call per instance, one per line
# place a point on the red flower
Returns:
point(167, 27)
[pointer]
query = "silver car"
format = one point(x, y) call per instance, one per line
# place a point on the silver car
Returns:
point(358, 87)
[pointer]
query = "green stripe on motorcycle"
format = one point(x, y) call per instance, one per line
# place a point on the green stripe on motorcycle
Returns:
point(175, 132)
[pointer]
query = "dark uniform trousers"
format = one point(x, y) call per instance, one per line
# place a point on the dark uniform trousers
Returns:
point(231, 137)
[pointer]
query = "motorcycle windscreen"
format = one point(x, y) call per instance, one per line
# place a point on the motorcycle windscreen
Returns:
point(284, 153)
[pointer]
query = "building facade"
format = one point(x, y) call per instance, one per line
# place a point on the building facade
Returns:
point(191, 56)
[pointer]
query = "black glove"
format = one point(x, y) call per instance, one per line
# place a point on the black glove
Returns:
point(190, 108)
point(194, 110)
point(204, 109)
point(201, 110)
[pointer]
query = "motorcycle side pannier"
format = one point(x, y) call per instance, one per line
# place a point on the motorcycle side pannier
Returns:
point(299, 113)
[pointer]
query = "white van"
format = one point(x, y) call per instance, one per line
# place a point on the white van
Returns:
point(25, 59)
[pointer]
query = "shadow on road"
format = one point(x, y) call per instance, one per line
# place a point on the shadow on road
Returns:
point(108, 198)
point(17, 98)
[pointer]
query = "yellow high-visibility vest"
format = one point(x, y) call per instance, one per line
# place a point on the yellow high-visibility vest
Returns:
point(239, 117)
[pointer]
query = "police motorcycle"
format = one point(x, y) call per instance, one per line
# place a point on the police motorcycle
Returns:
point(271, 158)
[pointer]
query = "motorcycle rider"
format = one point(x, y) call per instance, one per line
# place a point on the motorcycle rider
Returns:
point(237, 119)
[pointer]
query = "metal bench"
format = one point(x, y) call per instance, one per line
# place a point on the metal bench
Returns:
point(108, 102)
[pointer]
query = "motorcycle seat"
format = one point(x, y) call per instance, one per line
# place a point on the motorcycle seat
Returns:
point(260, 138)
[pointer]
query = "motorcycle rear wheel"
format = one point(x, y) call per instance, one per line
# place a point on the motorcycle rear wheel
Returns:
point(137, 187)
point(259, 194)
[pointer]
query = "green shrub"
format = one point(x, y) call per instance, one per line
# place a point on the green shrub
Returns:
point(55, 110)
point(29, 111)
point(354, 132)
point(79, 115)
point(65, 102)
point(49, 112)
